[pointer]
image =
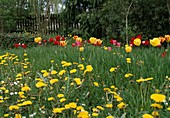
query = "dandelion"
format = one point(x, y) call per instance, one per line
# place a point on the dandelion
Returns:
point(109, 117)
point(158, 97)
point(95, 114)
point(89, 68)
point(78, 81)
point(53, 72)
point(112, 69)
point(27, 103)
point(62, 72)
point(155, 113)
point(121, 105)
point(18, 116)
point(100, 107)
point(60, 95)
point(51, 98)
point(62, 100)
point(13, 107)
point(72, 105)
point(147, 116)
point(58, 110)
point(81, 49)
point(6, 115)
point(96, 84)
point(83, 114)
point(25, 88)
point(52, 81)
point(128, 75)
point(40, 84)
point(81, 66)
point(79, 108)
point(109, 105)
point(155, 105)
point(168, 108)
point(73, 71)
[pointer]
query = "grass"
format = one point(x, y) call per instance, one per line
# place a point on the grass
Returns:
point(111, 88)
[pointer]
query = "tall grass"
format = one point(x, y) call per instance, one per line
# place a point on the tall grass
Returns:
point(145, 63)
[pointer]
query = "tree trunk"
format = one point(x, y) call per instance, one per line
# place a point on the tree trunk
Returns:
point(168, 7)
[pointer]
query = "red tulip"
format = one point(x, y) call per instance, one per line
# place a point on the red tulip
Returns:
point(63, 38)
point(16, 45)
point(73, 44)
point(163, 54)
point(58, 38)
point(24, 45)
point(56, 42)
point(139, 36)
point(44, 41)
point(51, 40)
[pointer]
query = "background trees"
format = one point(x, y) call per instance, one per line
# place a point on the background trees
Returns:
point(98, 18)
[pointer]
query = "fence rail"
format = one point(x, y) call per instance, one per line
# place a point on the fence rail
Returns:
point(46, 25)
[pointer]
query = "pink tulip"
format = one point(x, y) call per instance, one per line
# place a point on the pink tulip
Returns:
point(118, 44)
point(78, 43)
point(109, 48)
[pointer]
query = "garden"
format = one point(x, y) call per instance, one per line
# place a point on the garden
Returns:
point(77, 60)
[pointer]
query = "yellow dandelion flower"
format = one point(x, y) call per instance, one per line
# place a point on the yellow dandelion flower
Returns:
point(40, 84)
point(78, 81)
point(147, 116)
point(96, 84)
point(79, 108)
point(158, 97)
point(6, 115)
point(83, 114)
point(121, 105)
point(53, 72)
point(25, 88)
point(112, 69)
point(27, 103)
point(52, 81)
point(1, 101)
point(107, 89)
point(95, 114)
point(62, 72)
point(100, 107)
point(156, 105)
point(72, 105)
point(45, 74)
point(67, 106)
point(81, 66)
point(155, 113)
point(60, 95)
point(18, 116)
point(19, 75)
point(168, 108)
point(109, 117)
point(73, 71)
point(62, 100)
point(51, 98)
point(58, 110)
point(13, 107)
point(81, 49)
point(109, 105)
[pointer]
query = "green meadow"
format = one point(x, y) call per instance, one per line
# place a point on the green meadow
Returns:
point(64, 82)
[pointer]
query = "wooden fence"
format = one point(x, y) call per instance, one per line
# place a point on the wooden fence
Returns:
point(46, 25)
